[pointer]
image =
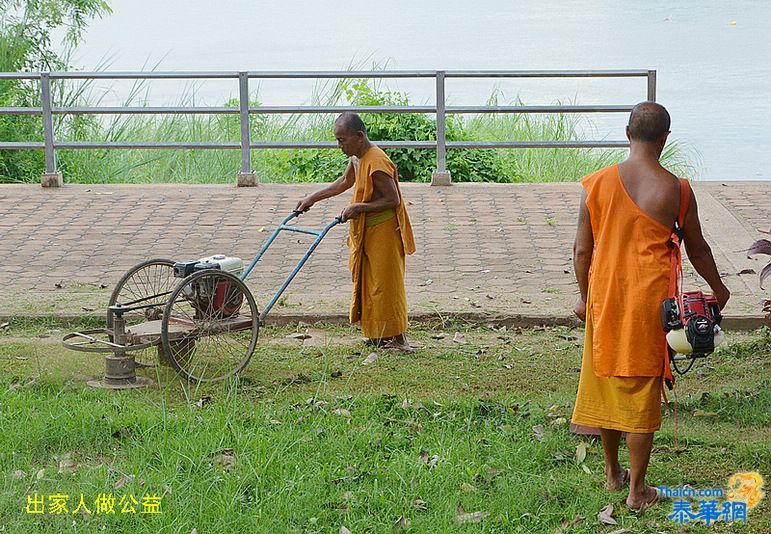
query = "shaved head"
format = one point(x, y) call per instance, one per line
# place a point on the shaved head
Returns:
point(351, 122)
point(648, 121)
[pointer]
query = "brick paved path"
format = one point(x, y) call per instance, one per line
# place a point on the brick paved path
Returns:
point(483, 249)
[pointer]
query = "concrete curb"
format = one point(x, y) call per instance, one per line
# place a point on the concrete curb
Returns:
point(744, 323)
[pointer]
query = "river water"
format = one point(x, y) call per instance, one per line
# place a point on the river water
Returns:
point(714, 74)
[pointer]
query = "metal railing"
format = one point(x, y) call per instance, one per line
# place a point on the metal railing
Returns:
point(246, 145)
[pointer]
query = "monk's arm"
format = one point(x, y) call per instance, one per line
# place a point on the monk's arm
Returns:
point(700, 254)
point(385, 195)
point(583, 248)
point(340, 185)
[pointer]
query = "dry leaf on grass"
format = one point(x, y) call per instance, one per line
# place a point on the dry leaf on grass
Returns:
point(401, 525)
point(419, 504)
point(226, 458)
point(459, 338)
point(122, 481)
point(472, 517)
point(299, 335)
point(344, 530)
point(372, 358)
point(538, 431)
point(342, 411)
point(67, 466)
point(605, 515)
point(581, 452)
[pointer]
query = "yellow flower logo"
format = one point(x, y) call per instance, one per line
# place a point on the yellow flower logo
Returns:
point(746, 487)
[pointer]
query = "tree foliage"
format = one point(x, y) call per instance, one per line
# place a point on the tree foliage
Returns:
point(26, 30)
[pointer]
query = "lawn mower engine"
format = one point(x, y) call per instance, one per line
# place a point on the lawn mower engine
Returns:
point(208, 295)
point(692, 322)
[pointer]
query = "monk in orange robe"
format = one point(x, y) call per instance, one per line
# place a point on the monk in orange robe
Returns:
point(380, 235)
point(623, 262)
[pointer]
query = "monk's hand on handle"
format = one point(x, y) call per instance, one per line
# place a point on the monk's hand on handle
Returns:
point(303, 206)
point(350, 212)
point(580, 309)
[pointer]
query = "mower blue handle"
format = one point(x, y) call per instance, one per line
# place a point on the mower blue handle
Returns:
point(289, 228)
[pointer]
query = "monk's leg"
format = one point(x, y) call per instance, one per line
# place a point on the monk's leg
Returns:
point(640, 446)
point(615, 475)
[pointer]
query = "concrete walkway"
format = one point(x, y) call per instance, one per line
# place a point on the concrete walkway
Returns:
point(484, 250)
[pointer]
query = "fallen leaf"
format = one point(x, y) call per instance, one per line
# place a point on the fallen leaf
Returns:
point(18, 475)
point(203, 401)
point(467, 488)
point(538, 431)
point(401, 525)
point(372, 358)
point(746, 271)
point(581, 452)
point(122, 481)
point(419, 504)
point(586, 469)
point(67, 466)
point(275, 422)
point(343, 412)
point(40, 474)
point(459, 338)
point(473, 517)
point(344, 530)
point(440, 335)
point(5, 325)
point(226, 458)
point(702, 413)
point(559, 421)
point(605, 515)
point(299, 335)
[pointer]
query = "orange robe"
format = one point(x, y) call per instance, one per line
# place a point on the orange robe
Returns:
point(378, 244)
point(625, 346)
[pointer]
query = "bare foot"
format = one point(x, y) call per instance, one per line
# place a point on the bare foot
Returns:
point(395, 345)
point(648, 498)
point(616, 481)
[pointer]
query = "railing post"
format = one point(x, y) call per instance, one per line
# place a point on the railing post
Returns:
point(247, 177)
point(51, 177)
point(651, 85)
point(441, 176)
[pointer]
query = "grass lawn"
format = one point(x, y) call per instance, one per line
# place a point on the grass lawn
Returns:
point(470, 434)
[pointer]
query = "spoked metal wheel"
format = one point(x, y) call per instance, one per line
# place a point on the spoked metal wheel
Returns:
point(147, 284)
point(210, 326)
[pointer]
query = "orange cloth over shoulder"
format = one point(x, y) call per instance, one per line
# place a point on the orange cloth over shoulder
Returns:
point(628, 280)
